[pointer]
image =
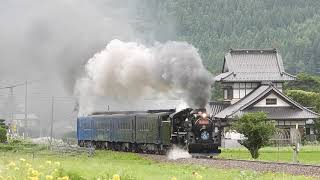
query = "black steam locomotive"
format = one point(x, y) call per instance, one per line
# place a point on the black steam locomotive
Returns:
point(153, 131)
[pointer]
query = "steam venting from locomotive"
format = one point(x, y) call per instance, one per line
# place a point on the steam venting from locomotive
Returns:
point(129, 71)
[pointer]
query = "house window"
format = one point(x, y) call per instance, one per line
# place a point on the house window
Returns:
point(228, 93)
point(271, 101)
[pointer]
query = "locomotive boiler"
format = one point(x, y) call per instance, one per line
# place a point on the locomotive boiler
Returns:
point(153, 131)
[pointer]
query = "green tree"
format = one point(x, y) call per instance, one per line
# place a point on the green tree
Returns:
point(305, 98)
point(3, 135)
point(308, 99)
point(3, 131)
point(257, 131)
point(2, 124)
point(305, 82)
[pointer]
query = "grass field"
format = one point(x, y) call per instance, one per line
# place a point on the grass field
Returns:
point(106, 164)
point(307, 155)
point(25, 160)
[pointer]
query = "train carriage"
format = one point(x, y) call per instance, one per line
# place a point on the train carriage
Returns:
point(151, 131)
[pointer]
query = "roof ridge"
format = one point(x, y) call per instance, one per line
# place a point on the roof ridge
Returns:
point(261, 94)
point(293, 76)
point(280, 66)
point(283, 95)
point(296, 103)
point(254, 50)
point(246, 97)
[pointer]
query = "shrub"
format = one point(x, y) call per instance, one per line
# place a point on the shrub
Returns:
point(3, 135)
point(257, 130)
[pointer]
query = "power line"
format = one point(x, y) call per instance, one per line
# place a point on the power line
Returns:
point(12, 86)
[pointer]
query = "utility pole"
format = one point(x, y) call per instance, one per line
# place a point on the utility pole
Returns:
point(26, 108)
point(11, 98)
point(51, 126)
point(11, 104)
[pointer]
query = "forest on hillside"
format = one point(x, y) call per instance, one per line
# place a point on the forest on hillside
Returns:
point(214, 26)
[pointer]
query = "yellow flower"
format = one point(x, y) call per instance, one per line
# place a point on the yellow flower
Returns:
point(35, 173)
point(22, 160)
point(57, 163)
point(173, 178)
point(11, 164)
point(49, 177)
point(116, 177)
point(30, 170)
point(63, 178)
point(48, 162)
point(33, 178)
point(28, 165)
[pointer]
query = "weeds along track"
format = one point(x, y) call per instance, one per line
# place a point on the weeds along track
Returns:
point(260, 166)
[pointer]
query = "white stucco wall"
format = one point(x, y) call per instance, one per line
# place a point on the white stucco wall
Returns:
point(280, 102)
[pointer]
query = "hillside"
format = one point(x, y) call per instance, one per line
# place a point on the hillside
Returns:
point(292, 26)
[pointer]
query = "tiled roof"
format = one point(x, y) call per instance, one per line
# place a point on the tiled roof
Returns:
point(284, 113)
point(253, 65)
point(216, 107)
point(230, 110)
point(244, 105)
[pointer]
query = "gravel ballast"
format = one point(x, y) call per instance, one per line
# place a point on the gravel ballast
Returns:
point(294, 169)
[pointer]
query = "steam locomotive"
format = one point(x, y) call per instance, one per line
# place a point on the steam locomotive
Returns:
point(153, 131)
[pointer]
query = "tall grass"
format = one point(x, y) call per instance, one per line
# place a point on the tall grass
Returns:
point(308, 154)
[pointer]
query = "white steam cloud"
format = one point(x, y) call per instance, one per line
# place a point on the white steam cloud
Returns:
point(178, 153)
point(129, 71)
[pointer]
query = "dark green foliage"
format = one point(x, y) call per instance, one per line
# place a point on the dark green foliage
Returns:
point(217, 92)
point(317, 128)
point(3, 131)
point(257, 130)
point(305, 82)
point(292, 26)
point(3, 135)
point(307, 99)
point(2, 124)
point(20, 145)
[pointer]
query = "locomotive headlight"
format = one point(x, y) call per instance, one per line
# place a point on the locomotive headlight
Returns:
point(204, 135)
point(204, 115)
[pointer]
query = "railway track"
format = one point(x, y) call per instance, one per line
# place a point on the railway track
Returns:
point(212, 156)
point(259, 166)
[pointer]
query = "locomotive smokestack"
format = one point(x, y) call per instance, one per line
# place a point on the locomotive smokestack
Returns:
point(128, 71)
